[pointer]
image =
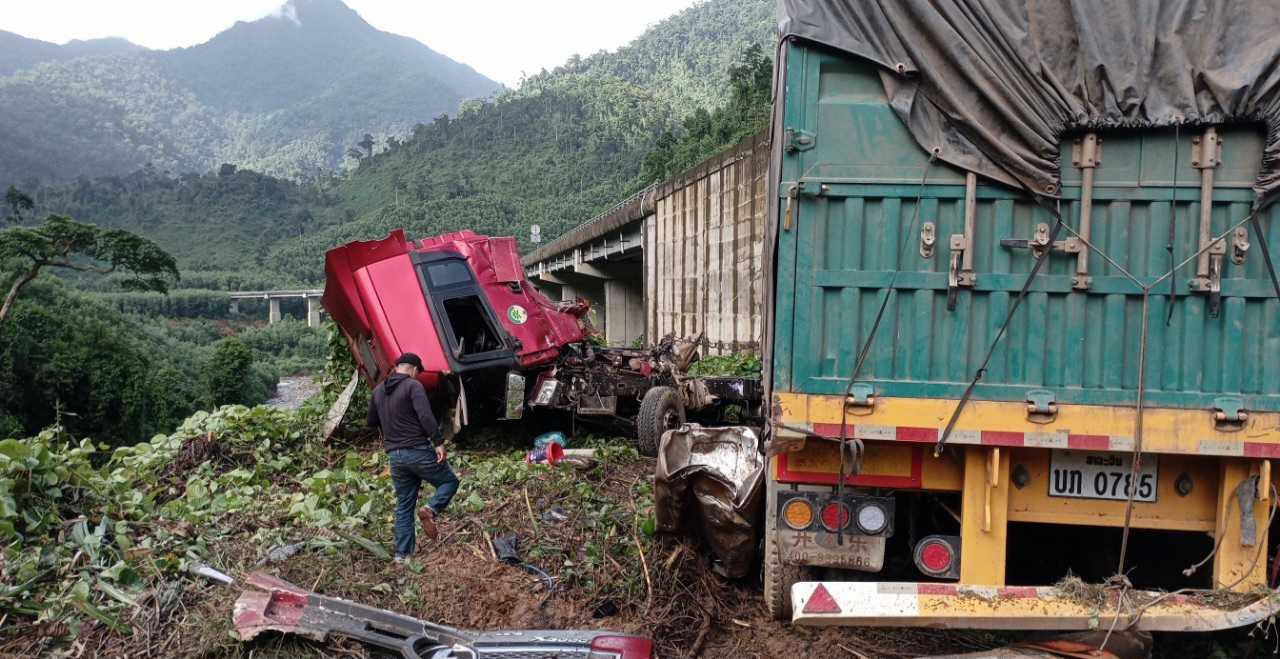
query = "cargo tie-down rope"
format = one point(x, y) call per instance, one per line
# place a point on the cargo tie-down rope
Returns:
point(856, 467)
point(851, 449)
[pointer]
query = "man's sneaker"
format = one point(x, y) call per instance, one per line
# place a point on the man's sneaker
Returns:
point(399, 564)
point(428, 517)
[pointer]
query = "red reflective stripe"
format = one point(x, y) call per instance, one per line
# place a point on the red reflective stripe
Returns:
point(935, 589)
point(1252, 450)
point(1002, 438)
point(1089, 442)
point(908, 434)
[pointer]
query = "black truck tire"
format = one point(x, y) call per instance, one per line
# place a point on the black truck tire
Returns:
point(660, 410)
point(779, 577)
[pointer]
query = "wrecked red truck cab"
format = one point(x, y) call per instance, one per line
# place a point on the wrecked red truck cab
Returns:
point(491, 344)
point(460, 301)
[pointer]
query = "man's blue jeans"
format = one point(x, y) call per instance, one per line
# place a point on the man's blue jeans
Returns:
point(409, 467)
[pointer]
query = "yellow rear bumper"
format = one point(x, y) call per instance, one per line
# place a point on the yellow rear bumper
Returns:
point(949, 606)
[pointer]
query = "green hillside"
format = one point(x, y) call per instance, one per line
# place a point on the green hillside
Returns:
point(276, 95)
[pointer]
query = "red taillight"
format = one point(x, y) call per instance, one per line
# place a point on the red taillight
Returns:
point(935, 556)
point(835, 516)
point(939, 556)
point(621, 647)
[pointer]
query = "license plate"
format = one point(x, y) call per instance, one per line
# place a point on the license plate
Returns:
point(859, 552)
point(1101, 475)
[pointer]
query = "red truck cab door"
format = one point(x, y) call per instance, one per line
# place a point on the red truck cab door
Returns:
point(472, 337)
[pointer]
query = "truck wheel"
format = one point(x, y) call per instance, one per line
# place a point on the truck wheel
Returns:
point(779, 577)
point(660, 411)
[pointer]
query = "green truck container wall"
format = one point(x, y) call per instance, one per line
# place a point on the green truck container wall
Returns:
point(856, 190)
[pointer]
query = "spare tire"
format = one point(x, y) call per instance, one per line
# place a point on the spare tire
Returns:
point(660, 410)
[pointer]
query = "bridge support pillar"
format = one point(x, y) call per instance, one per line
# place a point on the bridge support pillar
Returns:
point(624, 305)
point(313, 312)
point(274, 316)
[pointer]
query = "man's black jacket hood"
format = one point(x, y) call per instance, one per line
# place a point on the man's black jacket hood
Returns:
point(400, 407)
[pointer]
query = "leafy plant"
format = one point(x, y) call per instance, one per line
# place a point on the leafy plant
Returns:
point(230, 370)
point(734, 364)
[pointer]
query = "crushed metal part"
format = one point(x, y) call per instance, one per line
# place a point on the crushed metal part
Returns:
point(722, 470)
point(272, 604)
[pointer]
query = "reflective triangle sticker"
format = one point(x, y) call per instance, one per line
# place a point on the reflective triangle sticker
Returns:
point(821, 601)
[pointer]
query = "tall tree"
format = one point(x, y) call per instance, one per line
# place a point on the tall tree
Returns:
point(61, 242)
point(17, 201)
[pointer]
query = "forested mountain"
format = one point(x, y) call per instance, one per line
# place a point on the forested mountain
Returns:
point(563, 146)
point(285, 95)
point(18, 52)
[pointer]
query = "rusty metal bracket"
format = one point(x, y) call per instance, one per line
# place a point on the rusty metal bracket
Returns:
point(1229, 414)
point(1239, 244)
point(861, 395)
point(1039, 242)
point(928, 237)
point(1042, 406)
point(961, 271)
point(1206, 155)
point(798, 140)
point(1086, 154)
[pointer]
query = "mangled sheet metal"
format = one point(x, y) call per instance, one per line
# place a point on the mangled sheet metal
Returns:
point(710, 481)
point(993, 85)
point(271, 604)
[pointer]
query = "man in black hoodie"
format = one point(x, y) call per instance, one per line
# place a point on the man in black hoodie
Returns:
point(415, 450)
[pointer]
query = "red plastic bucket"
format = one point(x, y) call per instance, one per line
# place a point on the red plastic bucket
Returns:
point(549, 454)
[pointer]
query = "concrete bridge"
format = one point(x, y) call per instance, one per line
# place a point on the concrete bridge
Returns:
point(680, 256)
point(273, 300)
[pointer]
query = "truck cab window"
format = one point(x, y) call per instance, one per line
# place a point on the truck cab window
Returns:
point(468, 321)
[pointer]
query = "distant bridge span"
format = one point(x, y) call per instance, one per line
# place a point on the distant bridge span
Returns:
point(312, 297)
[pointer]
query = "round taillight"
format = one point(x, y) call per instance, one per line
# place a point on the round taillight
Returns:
point(835, 516)
point(872, 518)
point(798, 514)
point(936, 557)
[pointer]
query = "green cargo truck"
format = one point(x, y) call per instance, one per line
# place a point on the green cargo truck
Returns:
point(972, 401)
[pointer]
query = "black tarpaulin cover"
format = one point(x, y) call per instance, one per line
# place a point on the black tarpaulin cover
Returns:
point(995, 83)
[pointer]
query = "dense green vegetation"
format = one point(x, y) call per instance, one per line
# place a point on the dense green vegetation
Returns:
point(121, 376)
point(565, 145)
point(65, 355)
point(703, 134)
point(221, 220)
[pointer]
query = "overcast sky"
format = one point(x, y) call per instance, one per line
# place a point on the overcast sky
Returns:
point(498, 38)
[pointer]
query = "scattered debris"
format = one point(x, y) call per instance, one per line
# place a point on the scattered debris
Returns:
point(272, 604)
point(208, 572)
point(506, 549)
point(722, 470)
point(553, 437)
point(547, 454)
